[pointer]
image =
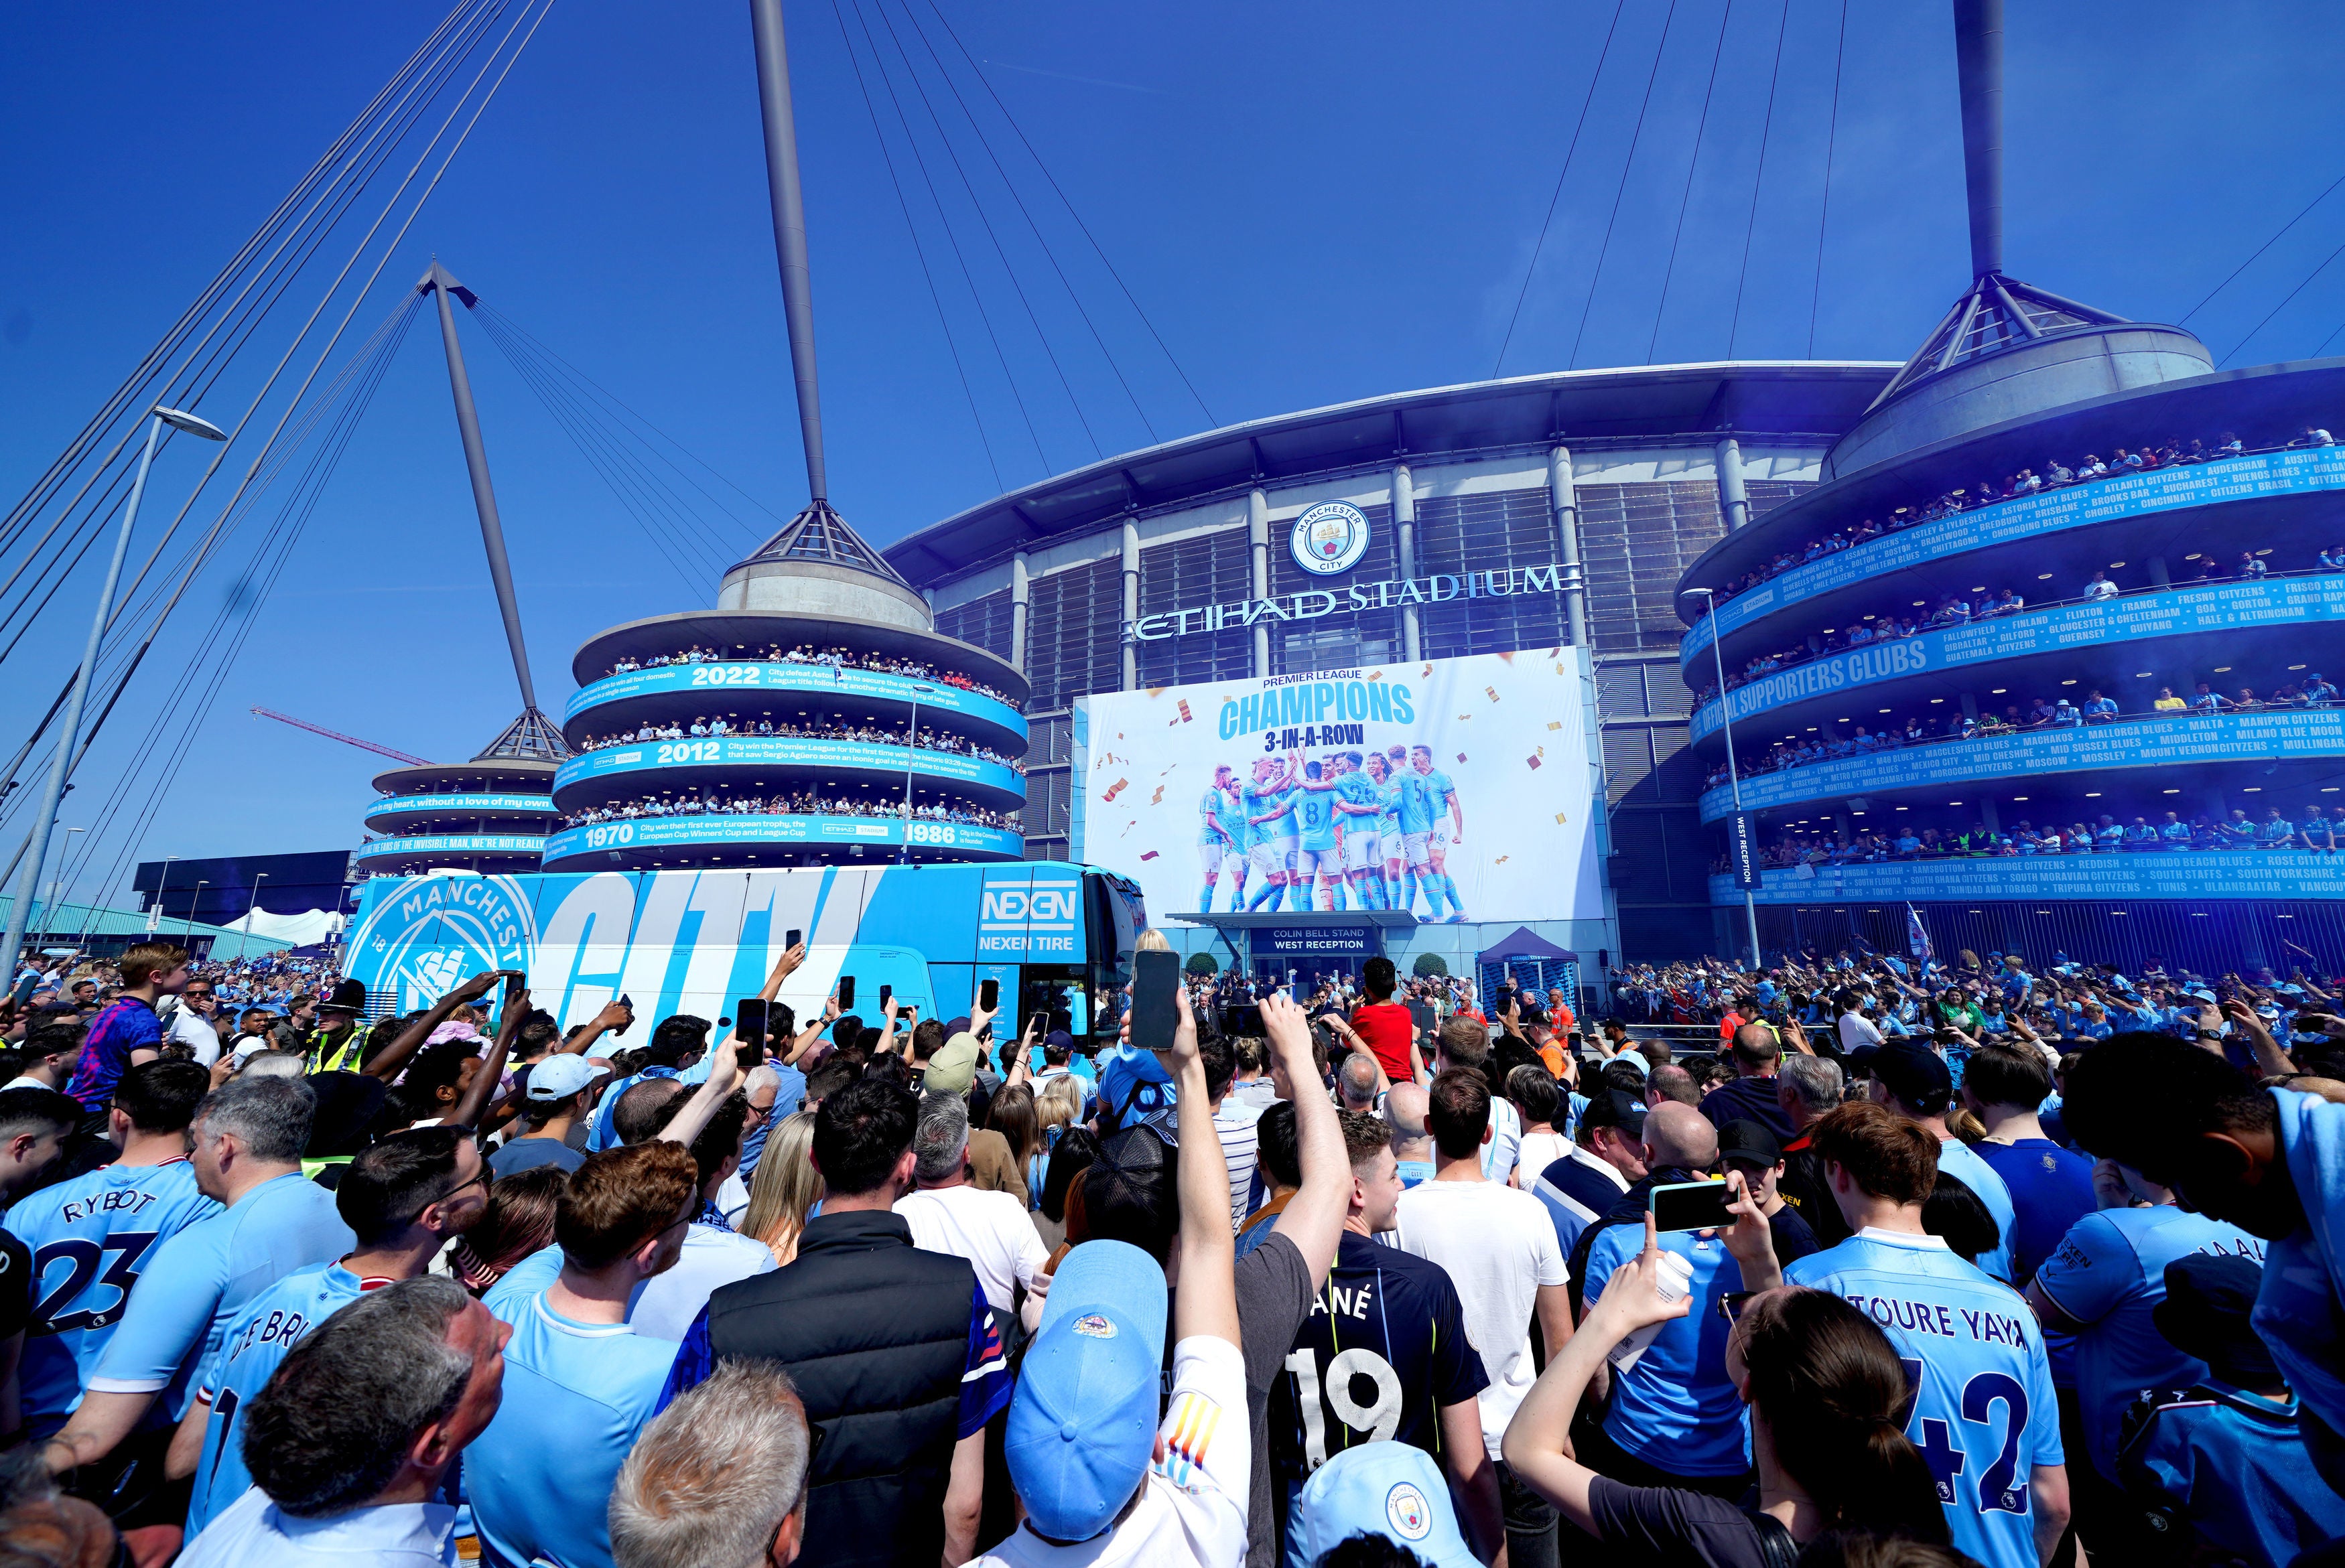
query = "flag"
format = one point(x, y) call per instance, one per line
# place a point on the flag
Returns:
point(1917, 940)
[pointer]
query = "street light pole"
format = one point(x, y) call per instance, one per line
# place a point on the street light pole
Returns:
point(911, 747)
point(162, 896)
point(187, 933)
point(1733, 772)
point(12, 942)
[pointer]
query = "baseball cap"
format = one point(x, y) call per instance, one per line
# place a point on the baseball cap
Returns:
point(1082, 1424)
point(1129, 1193)
point(1615, 1107)
point(560, 1077)
point(1059, 1040)
point(1633, 1058)
point(2209, 1297)
point(1914, 1073)
point(954, 1067)
point(1753, 1141)
point(1388, 1489)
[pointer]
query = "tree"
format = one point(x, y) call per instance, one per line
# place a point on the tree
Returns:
point(1203, 964)
point(1429, 966)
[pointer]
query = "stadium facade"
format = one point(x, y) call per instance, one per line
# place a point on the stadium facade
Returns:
point(1532, 515)
point(2078, 574)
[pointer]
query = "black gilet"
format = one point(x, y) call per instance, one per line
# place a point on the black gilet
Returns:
point(875, 1334)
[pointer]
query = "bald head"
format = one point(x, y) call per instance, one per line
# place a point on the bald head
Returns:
point(1405, 1107)
point(1357, 1080)
point(1672, 1085)
point(1679, 1135)
point(1756, 1050)
point(644, 1109)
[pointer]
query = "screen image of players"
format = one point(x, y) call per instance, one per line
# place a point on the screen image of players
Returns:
point(1433, 819)
point(1258, 803)
point(1218, 845)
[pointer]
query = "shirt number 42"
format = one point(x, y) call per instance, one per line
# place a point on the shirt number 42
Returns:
point(2001, 1489)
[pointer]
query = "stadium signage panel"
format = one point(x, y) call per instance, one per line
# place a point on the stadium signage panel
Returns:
point(2149, 742)
point(777, 751)
point(453, 843)
point(1482, 763)
point(2177, 612)
point(2298, 472)
point(1315, 941)
point(404, 804)
point(1312, 603)
point(719, 681)
point(2280, 874)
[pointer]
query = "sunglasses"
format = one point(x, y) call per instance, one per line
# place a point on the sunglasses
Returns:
point(1730, 1305)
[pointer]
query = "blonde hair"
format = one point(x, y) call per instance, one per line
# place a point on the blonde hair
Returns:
point(1060, 1103)
point(1152, 941)
point(785, 1186)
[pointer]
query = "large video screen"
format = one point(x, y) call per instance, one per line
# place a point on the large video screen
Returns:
point(1453, 788)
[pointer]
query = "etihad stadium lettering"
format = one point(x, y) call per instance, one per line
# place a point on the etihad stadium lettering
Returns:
point(1312, 603)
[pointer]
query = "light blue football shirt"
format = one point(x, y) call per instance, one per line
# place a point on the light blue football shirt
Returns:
point(90, 1239)
point(1984, 1416)
point(1677, 1409)
point(1210, 811)
point(1254, 801)
point(1958, 1159)
point(199, 1282)
point(1416, 814)
point(1437, 791)
point(1315, 817)
point(255, 1345)
point(576, 1395)
point(2109, 1273)
point(1231, 814)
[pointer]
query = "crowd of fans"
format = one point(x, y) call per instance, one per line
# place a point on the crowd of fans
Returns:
point(1955, 610)
point(2060, 713)
point(721, 725)
point(804, 803)
point(2057, 475)
point(2162, 831)
point(900, 1291)
point(837, 658)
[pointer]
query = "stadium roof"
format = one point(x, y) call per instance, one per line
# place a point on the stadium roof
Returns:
point(91, 920)
point(1786, 399)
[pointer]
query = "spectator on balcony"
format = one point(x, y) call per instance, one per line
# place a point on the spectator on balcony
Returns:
point(2318, 692)
point(2208, 700)
point(2056, 474)
point(1908, 847)
point(2091, 468)
point(2276, 832)
point(2230, 446)
point(2175, 833)
point(2316, 832)
point(2245, 702)
point(2167, 703)
point(2251, 566)
point(2003, 603)
point(2108, 838)
point(2040, 716)
point(2312, 436)
point(2100, 587)
point(2125, 462)
point(2333, 558)
point(2098, 709)
point(2238, 832)
point(2139, 836)
point(2066, 716)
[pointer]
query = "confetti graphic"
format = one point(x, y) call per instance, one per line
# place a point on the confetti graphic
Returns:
point(1555, 724)
point(1493, 690)
point(1115, 789)
point(1158, 798)
point(1186, 716)
point(1533, 761)
point(1148, 854)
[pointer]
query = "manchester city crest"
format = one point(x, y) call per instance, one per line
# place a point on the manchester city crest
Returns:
point(418, 943)
point(1329, 538)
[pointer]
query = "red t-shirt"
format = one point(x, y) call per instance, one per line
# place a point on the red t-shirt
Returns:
point(1388, 1030)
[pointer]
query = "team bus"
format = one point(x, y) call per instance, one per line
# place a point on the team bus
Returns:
point(1058, 937)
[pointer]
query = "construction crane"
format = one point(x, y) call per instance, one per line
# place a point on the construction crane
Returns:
point(338, 736)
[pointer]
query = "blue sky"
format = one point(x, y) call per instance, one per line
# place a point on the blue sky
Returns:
point(1312, 201)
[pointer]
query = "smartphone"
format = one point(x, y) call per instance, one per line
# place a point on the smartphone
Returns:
point(1040, 1026)
point(1691, 1205)
point(627, 1002)
point(845, 993)
point(988, 995)
point(1155, 978)
point(792, 938)
point(749, 1019)
point(886, 991)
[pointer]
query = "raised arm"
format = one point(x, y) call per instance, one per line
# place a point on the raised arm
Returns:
point(1314, 1217)
point(724, 1074)
point(2270, 1060)
point(813, 1032)
point(466, 1111)
point(393, 1058)
point(783, 967)
point(614, 1015)
point(1207, 1301)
